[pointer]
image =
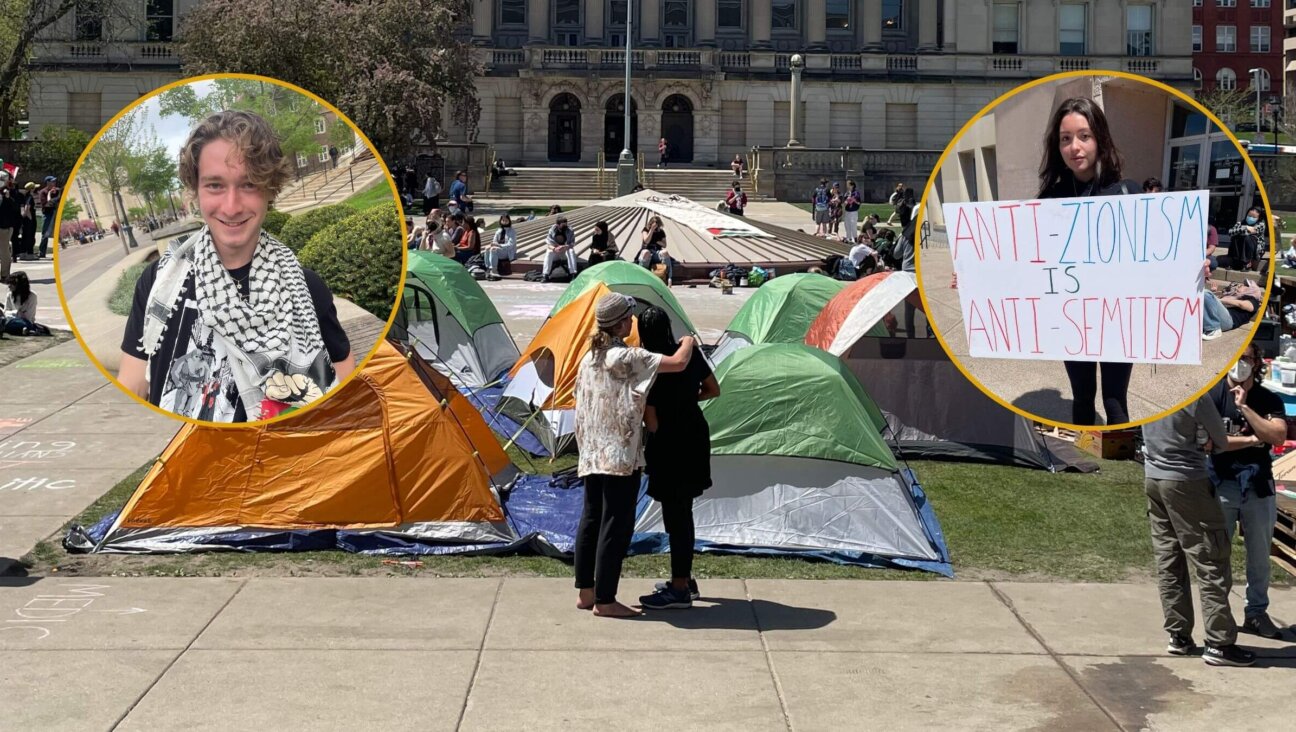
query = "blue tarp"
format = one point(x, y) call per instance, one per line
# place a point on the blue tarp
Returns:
point(487, 402)
point(543, 512)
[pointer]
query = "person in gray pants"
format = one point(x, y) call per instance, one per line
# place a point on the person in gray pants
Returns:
point(1188, 529)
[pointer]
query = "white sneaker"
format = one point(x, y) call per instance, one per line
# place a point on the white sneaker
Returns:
point(1212, 335)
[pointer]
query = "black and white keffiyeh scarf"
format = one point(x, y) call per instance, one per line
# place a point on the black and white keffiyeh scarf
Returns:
point(271, 340)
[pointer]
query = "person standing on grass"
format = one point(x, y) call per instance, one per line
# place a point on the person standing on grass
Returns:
point(678, 454)
point(850, 210)
point(836, 200)
point(1188, 530)
point(612, 386)
point(819, 200)
point(896, 197)
point(1243, 479)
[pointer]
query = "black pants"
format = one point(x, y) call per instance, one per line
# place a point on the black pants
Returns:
point(1242, 251)
point(1084, 389)
point(431, 204)
point(603, 536)
point(911, 312)
point(677, 515)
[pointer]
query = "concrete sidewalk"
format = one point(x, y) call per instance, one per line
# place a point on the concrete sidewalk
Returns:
point(67, 435)
point(514, 653)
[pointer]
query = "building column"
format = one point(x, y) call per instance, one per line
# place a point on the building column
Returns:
point(483, 19)
point(816, 18)
point(593, 22)
point(760, 24)
point(535, 135)
point(649, 22)
point(538, 22)
point(592, 133)
point(927, 25)
point(872, 25)
point(705, 22)
point(949, 44)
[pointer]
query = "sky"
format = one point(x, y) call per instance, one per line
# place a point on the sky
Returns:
point(171, 130)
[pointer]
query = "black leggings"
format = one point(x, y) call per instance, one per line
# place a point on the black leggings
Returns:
point(677, 515)
point(606, 526)
point(1084, 388)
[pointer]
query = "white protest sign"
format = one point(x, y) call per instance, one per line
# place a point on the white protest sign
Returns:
point(1109, 278)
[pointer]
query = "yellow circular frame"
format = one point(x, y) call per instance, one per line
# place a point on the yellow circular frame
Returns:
point(400, 290)
point(931, 182)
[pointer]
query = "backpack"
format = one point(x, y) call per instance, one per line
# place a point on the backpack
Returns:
point(821, 199)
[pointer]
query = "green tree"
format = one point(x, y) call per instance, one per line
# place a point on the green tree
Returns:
point(341, 136)
point(1232, 106)
point(107, 164)
point(56, 152)
point(71, 209)
point(391, 66)
point(22, 20)
point(291, 115)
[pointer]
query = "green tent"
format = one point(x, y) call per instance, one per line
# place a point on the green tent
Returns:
point(629, 279)
point(449, 319)
point(798, 465)
point(780, 311)
point(798, 401)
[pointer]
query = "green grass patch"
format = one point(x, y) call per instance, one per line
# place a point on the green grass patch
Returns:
point(1289, 221)
point(379, 192)
point(883, 210)
point(123, 293)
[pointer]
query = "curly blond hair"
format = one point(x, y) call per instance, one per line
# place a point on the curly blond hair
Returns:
point(254, 141)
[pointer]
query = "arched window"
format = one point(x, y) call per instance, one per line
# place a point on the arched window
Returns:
point(1262, 82)
point(1226, 79)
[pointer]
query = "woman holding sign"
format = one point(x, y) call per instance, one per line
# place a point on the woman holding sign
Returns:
point(1081, 161)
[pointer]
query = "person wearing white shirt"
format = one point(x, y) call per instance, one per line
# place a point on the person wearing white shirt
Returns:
point(501, 246)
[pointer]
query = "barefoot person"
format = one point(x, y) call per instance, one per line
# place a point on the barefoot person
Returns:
point(228, 326)
point(678, 454)
point(611, 388)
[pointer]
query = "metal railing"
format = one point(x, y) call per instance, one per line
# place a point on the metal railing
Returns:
point(490, 166)
point(600, 162)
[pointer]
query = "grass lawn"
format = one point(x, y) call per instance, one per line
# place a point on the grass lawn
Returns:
point(883, 210)
point(999, 523)
point(16, 348)
point(379, 192)
point(124, 292)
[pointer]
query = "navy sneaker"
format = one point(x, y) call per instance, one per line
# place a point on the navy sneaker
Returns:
point(1230, 655)
point(1180, 645)
point(667, 599)
point(693, 588)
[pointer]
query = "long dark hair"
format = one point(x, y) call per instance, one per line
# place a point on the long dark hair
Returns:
point(19, 287)
point(1053, 168)
point(655, 331)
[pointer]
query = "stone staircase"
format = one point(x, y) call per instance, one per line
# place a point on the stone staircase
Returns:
point(330, 186)
point(704, 185)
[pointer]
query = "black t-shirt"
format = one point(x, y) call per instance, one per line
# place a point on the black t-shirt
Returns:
point(1242, 317)
point(178, 341)
point(676, 394)
point(1237, 464)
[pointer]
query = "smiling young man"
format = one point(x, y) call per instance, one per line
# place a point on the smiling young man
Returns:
point(228, 326)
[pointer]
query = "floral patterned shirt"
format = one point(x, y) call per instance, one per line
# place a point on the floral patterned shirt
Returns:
point(611, 391)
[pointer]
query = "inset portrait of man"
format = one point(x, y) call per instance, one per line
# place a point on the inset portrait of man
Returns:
point(228, 326)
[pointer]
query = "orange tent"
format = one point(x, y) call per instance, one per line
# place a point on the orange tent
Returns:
point(397, 450)
point(541, 393)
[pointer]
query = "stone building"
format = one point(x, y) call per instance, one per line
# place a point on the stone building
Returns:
point(712, 76)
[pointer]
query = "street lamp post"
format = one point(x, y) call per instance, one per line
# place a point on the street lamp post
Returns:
point(794, 121)
point(626, 163)
point(1255, 81)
